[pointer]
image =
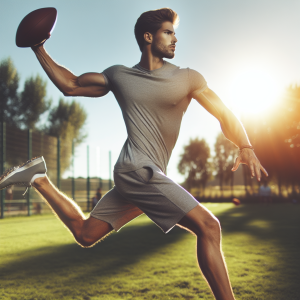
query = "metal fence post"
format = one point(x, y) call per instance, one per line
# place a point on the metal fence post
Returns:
point(42, 143)
point(110, 183)
point(2, 164)
point(73, 171)
point(100, 179)
point(29, 143)
point(58, 162)
point(88, 178)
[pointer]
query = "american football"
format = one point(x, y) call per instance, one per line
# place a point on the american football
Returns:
point(36, 27)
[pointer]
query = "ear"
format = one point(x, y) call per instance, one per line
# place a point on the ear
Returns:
point(148, 37)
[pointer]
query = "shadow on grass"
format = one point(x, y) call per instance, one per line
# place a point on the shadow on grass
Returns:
point(280, 222)
point(277, 226)
point(118, 251)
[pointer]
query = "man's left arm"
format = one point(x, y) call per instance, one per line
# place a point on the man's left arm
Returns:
point(232, 129)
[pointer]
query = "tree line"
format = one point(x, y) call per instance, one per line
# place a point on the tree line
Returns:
point(275, 133)
point(275, 136)
point(30, 108)
point(198, 166)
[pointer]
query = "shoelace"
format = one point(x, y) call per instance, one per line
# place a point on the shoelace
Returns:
point(25, 191)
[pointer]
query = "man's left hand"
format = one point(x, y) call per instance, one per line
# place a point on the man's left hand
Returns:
point(248, 157)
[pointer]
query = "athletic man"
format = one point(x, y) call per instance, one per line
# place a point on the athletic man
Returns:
point(153, 96)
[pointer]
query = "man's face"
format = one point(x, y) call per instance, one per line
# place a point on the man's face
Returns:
point(164, 40)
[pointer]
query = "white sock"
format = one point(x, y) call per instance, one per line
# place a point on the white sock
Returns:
point(36, 176)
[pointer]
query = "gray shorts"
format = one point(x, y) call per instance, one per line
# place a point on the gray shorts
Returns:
point(147, 190)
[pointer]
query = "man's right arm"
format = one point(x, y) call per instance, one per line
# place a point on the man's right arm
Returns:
point(88, 84)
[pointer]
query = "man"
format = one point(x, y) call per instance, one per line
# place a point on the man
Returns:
point(153, 96)
point(96, 198)
point(265, 192)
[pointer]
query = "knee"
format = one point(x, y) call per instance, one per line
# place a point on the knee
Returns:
point(210, 228)
point(84, 242)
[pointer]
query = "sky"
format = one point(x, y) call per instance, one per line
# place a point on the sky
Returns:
point(248, 52)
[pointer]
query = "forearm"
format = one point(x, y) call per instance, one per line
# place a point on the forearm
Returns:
point(233, 129)
point(60, 76)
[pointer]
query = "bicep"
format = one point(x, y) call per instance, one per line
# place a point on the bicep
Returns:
point(88, 85)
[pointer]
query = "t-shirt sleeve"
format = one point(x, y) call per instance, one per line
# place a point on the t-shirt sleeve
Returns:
point(196, 81)
point(108, 75)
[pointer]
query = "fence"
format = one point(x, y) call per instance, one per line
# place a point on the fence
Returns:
point(17, 146)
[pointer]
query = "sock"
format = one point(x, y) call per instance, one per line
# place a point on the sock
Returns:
point(36, 176)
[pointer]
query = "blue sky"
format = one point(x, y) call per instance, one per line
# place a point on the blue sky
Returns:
point(220, 39)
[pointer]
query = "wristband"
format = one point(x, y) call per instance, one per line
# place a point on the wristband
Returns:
point(246, 146)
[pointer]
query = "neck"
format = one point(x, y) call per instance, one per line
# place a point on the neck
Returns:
point(149, 61)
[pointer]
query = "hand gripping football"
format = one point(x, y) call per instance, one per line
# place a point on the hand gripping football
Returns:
point(36, 27)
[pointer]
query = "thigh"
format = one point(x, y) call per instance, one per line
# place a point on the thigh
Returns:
point(161, 199)
point(115, 210)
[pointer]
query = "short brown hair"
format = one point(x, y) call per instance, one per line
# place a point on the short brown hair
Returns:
point(150, 21)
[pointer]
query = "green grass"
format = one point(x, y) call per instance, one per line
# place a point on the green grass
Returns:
point(40, 260)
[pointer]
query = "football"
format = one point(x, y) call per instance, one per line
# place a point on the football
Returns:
point(236, 201)
point(36, 27)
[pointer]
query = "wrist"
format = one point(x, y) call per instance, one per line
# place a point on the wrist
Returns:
point(245, 147)
point(38, 47)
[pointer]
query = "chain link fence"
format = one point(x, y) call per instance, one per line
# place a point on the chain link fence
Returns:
point(76, 171)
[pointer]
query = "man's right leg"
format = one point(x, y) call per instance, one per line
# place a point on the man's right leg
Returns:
point(86, 232)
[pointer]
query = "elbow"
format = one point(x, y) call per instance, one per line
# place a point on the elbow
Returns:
point(70, 87)
point(67, 93)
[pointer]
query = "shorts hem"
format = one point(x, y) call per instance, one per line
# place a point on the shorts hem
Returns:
point(177, 220)
point(102, 219)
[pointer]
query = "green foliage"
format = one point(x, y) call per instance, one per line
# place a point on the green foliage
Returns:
point(9, 98)
point(24, 110)
point(33, 102)
point(21, 110)
point(194, 163)
point(67, 121)
point(224, 159)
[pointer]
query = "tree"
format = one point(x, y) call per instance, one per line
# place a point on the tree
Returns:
point(33, 102)
point(24, 110)
point(224, 160)
point(194, 163)
point(67, 121)
point(9, 98)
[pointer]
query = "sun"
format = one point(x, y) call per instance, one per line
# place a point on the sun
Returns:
point(254, 90)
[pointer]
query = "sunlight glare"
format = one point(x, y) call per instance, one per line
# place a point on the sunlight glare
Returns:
point(253, 91)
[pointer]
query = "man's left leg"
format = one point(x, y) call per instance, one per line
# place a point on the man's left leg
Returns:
point(165, 202)
point(206, 227)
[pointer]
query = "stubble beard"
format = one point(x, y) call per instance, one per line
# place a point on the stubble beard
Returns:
point(163, 51)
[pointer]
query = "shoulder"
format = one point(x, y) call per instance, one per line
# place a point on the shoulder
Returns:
point(193, 74)
point(112, 74)
point(114, 68)
point(196, 80)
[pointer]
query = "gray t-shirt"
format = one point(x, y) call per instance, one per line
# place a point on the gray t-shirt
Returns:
point(153, 104)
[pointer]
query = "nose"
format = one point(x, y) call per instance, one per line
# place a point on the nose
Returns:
point(175, 39)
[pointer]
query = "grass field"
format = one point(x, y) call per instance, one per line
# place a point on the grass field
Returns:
point(40, 260)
